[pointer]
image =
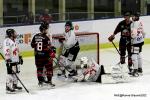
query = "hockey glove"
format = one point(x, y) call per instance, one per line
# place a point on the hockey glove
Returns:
point(53, 49)
point(8, 61)
point(20, 60)
point(61, 40)
point(52, 55)
point(111, 38)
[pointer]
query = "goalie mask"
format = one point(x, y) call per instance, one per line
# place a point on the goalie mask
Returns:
point(83, 62)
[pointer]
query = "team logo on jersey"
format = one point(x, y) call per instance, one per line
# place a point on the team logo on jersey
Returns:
point(15, 51)
point(125, 32)
point(122, 26)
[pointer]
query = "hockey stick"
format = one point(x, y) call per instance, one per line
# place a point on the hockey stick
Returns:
point(118, 52)
point(116, 48)
point(17, 76)
point(57, 64)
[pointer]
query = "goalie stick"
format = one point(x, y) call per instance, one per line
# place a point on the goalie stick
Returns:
point(17, 77)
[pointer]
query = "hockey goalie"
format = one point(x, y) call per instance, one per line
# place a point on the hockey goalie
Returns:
point(90, 71)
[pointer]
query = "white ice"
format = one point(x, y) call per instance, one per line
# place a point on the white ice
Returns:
point(137, 89)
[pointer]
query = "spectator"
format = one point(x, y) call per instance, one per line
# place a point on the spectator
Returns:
point(29, 18)
point(46, 17)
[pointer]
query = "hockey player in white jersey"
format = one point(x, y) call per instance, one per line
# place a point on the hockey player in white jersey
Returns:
point(137, 35)
point(69, 52)
point(12, 59)
point(92, 72)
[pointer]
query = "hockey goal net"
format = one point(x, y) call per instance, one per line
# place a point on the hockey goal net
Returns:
point(89, 45)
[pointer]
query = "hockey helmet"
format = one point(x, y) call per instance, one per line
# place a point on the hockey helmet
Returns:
point(83, 62)
point(69, 23)
point(10, 32)
point(44, 25)
point(127, 14)
point(137, 14)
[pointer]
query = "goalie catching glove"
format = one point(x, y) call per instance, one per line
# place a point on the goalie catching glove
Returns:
point(111, 38)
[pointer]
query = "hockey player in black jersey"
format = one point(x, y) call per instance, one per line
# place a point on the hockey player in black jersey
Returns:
point(125, 39)
point(44, 53)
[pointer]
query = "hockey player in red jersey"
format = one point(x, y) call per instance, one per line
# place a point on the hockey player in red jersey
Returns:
point(70, 51)
point(44, 53)
point(12, 59)
point(125, 39)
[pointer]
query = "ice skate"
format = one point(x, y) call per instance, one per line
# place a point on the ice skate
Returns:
point(40, 84)
point(10, 90)
point(72, 73)
point(50, 83)
point(17, 87)
point(134, 73)
point(61, 73)
point(140, 71)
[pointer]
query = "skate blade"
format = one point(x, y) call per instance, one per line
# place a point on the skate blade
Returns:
point(8, 92)
point(137, 75)
point(46, 87)
point(140, 74)
point(18, 90)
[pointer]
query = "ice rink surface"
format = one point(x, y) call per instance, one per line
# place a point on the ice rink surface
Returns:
point(136, 89)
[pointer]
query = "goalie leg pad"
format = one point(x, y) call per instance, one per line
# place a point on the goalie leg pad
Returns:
point(108, 79)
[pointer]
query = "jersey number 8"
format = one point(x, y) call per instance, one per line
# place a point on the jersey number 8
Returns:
point(39, 46)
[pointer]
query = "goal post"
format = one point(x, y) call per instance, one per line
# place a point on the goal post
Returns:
point(89, 44)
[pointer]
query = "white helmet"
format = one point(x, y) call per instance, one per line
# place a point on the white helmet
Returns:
point(83, 61)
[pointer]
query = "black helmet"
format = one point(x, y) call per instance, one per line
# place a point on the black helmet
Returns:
point(44, 26)
point(10, 32)
point(69, 23)
point(137, 14)
point(127, 13)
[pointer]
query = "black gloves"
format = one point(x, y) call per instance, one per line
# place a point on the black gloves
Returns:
point(53, 49)
point(20, 60)
point(61, 40)
point(8, 61)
